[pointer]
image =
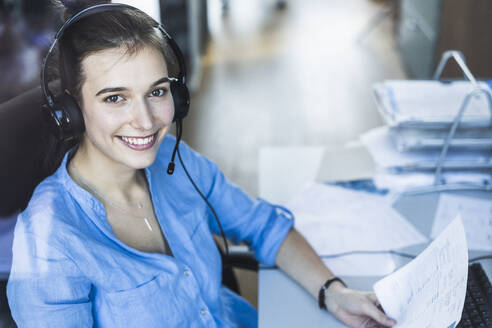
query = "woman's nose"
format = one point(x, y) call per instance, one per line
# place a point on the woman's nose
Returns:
point(142, 116)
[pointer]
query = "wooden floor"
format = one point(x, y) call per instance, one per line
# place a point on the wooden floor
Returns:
point(295, 76)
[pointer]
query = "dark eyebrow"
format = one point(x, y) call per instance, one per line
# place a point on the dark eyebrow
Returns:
point(117, 89)
point(164, 79)
point(106, 90)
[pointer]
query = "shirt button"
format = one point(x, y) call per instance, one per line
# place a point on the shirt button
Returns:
point(203, 311)
point(186, 272)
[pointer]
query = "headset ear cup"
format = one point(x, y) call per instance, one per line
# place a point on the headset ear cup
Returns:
point(181, 98)
point(72, 120)
point(52, 121)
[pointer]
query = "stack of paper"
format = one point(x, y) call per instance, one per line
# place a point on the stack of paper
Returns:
point(402, 170)
point(399, 182)
point(420, 115)
point(336, 220)
point(429, 103)
point(385, 153)
point(417, 139)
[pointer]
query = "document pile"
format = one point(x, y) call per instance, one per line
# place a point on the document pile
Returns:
point(429, 104)
point(430, 290)
point(399, 170)
point(419, 116)
point(338, 221)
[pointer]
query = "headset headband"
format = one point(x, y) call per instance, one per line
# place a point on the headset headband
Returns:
point(98, 9)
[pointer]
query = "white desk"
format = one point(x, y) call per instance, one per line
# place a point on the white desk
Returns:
point(283, 303)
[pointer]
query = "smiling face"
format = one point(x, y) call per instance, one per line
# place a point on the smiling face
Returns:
point(127, 106)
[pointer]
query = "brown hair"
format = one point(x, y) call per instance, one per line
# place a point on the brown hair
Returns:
point(126, 28)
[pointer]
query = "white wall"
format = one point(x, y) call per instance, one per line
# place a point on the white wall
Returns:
point(151, 7)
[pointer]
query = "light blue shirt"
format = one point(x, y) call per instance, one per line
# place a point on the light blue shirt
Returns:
point(70, 270)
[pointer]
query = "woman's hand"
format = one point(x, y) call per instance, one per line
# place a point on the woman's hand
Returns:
point(354, 308)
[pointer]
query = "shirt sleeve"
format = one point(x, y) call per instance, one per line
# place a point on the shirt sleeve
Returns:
point(260, 224)
point(45, 288)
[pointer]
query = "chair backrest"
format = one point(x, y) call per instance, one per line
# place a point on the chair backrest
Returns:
point(25, 145)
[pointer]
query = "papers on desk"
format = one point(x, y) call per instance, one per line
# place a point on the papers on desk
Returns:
point(431, 103)
point(419, 115)
point(404, 181)
point(476, 215)
point(430, 290)
point(383, 149)
point(403, 170)
point(336, 220)
point(414, 139)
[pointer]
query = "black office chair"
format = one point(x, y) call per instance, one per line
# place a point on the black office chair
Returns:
point(25, 147)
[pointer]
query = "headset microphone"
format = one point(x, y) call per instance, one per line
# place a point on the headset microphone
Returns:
point(170, 167)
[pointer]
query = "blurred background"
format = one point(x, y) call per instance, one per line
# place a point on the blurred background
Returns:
point(275, 72)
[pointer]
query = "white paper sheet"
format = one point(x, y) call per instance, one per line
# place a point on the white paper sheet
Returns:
point(336, 220)
point(430, 290)
point(476, 215)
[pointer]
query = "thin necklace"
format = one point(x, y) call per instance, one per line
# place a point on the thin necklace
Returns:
point(107, 200)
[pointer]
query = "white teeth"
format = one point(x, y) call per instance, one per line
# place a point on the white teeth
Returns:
point(138, 141)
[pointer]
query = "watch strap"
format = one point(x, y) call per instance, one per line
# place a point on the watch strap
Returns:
point(322, 290)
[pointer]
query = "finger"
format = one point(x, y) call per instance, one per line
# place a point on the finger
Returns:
point(373, 324)
point(373, 312)
point(373, 298)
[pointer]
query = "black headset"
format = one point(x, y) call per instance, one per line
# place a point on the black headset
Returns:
point(63, 114)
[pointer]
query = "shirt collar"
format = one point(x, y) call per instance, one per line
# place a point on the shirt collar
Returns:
point(88, 203)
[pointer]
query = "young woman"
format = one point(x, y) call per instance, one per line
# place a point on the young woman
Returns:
point(111, 240)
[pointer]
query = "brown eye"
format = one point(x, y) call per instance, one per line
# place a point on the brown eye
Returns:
point(160, 92)
point(113, 99)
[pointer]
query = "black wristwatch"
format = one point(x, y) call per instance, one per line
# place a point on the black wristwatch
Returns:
point(321, 295)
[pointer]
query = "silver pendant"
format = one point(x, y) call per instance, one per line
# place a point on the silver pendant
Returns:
point(148, 224)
